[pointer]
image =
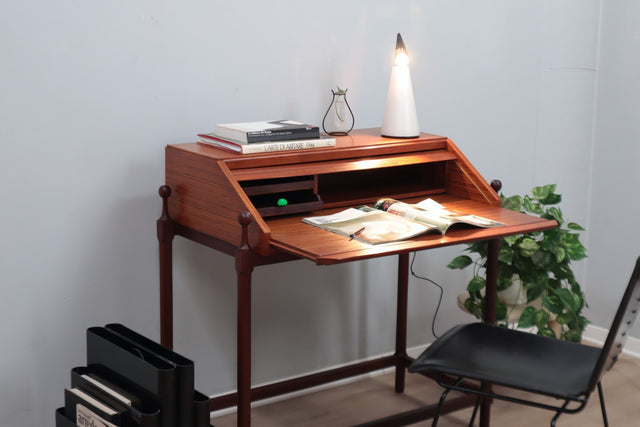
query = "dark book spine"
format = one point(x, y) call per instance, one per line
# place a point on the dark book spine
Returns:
point(283, 134)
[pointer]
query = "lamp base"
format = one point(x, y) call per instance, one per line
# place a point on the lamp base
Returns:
point(400, 137)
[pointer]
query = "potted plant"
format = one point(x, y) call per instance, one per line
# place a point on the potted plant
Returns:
point(541, 262)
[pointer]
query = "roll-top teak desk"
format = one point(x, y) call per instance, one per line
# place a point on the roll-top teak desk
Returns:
point(228, 202)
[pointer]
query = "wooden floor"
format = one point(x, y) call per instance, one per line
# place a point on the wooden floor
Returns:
point(372, 398)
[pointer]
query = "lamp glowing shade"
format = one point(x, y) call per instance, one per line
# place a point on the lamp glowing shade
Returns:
point(400, 116)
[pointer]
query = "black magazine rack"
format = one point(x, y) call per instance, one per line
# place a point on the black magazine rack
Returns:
point(132, 381)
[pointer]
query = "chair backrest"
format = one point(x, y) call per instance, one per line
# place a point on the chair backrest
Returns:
point(622, 322)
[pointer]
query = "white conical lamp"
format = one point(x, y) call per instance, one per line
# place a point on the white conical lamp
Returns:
point(400, 116)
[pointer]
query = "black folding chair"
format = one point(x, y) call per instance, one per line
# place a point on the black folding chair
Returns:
point(514, 359)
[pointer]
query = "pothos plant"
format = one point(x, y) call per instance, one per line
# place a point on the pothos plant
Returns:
point(542, 261)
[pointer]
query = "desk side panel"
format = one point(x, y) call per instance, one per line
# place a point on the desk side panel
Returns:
point(206, 198)
point(465, 181)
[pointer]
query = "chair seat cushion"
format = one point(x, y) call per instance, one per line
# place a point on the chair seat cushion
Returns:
point(512, 358)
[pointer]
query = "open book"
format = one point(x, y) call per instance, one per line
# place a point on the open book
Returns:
point(390, 220)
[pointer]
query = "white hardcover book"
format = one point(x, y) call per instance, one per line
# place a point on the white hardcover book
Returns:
point(266, 147)
point(108, 390)
point(93, 401)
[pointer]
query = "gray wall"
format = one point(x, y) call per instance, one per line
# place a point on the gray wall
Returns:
point(533, 92)
point(615, 181)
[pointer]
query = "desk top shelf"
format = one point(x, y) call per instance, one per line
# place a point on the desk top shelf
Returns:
point(211, 186)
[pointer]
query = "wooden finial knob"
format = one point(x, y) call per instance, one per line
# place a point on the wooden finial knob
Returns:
point(244, 218)
point(496, 184)
point(164, 191)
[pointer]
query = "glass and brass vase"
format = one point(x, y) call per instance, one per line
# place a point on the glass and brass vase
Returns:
point(338, 120)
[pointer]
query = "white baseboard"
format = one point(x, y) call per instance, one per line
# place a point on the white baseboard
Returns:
point(592, 334)
point(597, 335)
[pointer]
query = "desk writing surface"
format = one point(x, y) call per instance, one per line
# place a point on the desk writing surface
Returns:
point(291, 235)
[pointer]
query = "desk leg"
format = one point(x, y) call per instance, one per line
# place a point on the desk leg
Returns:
point(401, 321)
point(490, 314)
point(166, 233)
point(244, 349)
point(244, 268)
point(492, 281)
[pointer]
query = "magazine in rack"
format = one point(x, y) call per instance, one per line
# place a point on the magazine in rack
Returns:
point(390, 220)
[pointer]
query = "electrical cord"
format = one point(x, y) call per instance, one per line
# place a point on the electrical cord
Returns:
point(435, 314)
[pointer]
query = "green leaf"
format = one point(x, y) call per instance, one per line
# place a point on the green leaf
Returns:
point(573, 335)
point(578, 300)
point(541, 319)
point(570, 238)
point(532, 206)
point(556, 214)
point(536, 287)
point(567, 299)
point(479, 248)
point(560, 254)
point(476, 284)
point(566, 318)
point(505, 254)
point(529, 206)
point(553, 304)
point(528, 247)
point(552, 199)
point(546, 195)
point(541, 259)
point(460, 262)
point(501, 311)
point(574, 226)
point(527, 318)
point(513, 203)
point(574, 249)
point(541, 193)
point(547, 332)
point(510, 240)
point(473, 307)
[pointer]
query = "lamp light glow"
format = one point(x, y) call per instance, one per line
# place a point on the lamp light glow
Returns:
point(402, 58)
point(400, 117)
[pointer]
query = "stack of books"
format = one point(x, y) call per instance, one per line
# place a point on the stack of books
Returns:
point(130, 380)
point(264, 137)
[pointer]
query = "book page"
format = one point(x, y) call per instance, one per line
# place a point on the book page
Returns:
point(432, 217)
point(380, 227)
point(391, 221)
point(454, 216)
point(432, 213)
point(372, 226)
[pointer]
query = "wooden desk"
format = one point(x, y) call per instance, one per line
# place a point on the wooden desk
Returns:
point(228, 202)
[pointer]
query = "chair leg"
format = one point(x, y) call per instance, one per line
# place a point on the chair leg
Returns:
point(475, 410)
point(443, 396)
point(602, 406)
point(553, 421)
